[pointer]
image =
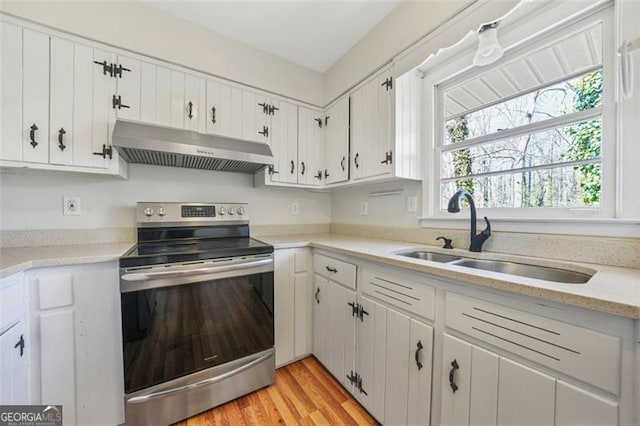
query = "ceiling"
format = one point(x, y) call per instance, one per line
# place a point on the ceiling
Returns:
point(312, 33)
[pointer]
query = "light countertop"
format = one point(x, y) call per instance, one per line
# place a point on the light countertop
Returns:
point(613, 290)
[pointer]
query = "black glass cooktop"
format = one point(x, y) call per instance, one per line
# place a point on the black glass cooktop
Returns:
point(186, 250)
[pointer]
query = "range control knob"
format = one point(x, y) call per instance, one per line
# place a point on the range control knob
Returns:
point(160, 211)
point(148, 212)
point(221, 211)
point(231, 210)
point(240, 211)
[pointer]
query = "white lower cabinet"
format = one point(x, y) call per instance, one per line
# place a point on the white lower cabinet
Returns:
point(76, 342)
point(481, 387)
point(14, 347)
point(292, 304)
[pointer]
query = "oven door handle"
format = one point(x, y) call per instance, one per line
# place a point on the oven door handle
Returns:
point(145, 276)
point(144, 398)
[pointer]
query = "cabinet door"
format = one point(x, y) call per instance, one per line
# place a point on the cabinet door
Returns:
point(177, 115)
point(283, 305)
point(340, 337)
point(302, 303)
point(420, 356)
point(575, 406)
point(57, 361)
point(103, 111)
point(319, 302)
point(456, 382)
point(35, 92)
point(61, 101)
point(310, 164)
point(194, 101)
point(397, 373)
point(255, 118)
point(11, 139)
point(148, 93)
point(371, 357)
point(224, 110)
point(525, 396)
point(83, 102)
point(336, 141)
point(284, 142)
point(13, 368)
point(127, 75)
point(163, 96)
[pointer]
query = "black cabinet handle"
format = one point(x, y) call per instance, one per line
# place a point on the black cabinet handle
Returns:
point(32, 135)
point(342, 163)
point(355, 160)
point(293, 166)
point(61, 134)
point(20, 344)
point(331, 269)
point(452, 375)
point(316, 296)
point(417, 355)
point(190, 110)
point(213, 115)
point(303, 168)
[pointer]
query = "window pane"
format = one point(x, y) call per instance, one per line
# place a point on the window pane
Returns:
point(576, 94)
point(576, 186)
point(579, 141)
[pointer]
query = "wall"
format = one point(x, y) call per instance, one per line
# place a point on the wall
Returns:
point(408, 22)
point(33, 200)
point(138, 27)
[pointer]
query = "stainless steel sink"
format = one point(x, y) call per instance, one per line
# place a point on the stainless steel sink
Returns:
point(429, 255)
point(523, 270)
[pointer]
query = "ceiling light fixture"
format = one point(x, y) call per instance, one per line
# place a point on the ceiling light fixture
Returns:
point(489, 50)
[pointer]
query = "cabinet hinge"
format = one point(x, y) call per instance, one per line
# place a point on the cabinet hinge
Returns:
point(388, 158)
point(354, 308)
point(116, 102)
point(264, 132)
point(359, 384)
point(352, 377)
point(272, 109)
point(326, 120)
point(388, 83)
point(272, 171)
point(106, 67)
point(265, 107)
point(319, 120)
point(117, 70)
point(361, 312)
point(20, 345)
point(106, 151)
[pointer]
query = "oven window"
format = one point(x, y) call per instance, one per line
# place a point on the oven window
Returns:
point(173, 331)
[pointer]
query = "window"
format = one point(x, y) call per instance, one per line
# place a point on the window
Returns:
point(529, 131)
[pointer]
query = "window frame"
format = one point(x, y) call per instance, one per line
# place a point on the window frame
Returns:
point(454, 72)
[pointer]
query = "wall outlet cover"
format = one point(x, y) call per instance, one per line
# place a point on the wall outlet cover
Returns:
point(364, 208)
point(71, 205)
point(295, 208)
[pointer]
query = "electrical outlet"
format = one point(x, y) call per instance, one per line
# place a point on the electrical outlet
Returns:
point(364, 208)
point(412, 204)
point(71, 206)
point(295, 208)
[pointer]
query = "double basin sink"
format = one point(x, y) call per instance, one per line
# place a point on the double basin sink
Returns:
point(511, 268)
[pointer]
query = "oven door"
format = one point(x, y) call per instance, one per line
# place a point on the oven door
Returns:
point(178, 320)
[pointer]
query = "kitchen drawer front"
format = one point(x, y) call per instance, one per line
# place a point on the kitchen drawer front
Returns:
point(336, 270)
point(587, 355)
point(412, 296)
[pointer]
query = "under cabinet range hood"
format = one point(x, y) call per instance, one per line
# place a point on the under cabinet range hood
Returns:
point(163, 146)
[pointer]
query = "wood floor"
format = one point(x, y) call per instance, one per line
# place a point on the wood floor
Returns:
point(304, 393)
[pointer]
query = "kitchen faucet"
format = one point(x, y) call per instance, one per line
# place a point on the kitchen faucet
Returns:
point(454, 207)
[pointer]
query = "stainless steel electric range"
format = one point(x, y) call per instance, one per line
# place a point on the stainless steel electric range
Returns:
point(197, 311)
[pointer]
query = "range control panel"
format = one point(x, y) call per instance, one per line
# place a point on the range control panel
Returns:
point(184, 213)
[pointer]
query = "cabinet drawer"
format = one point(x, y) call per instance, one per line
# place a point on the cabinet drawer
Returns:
point(412, 296)
point(337, 270)
point(563, 347)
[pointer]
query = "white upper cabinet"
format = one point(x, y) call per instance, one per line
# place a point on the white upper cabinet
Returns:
point(256, 120)
point(104, 87)
point(127, 101)
point(176, 96)
point(284, 141)
point(336, 142)
point(61, 95)
point(81, 136)
point(224, 110)
point(35, 91)
point(11, 134)
point(310, 147)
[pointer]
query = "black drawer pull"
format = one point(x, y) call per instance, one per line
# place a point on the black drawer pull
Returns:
point(452, 375)
point(32, 135)
point(355, 160)
point(190, 110)
point(417, 356)
point(61, 134)
point(293, 166)
point(316, 296)
point(213, 115)
point(331, 269)
point(302, 168)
